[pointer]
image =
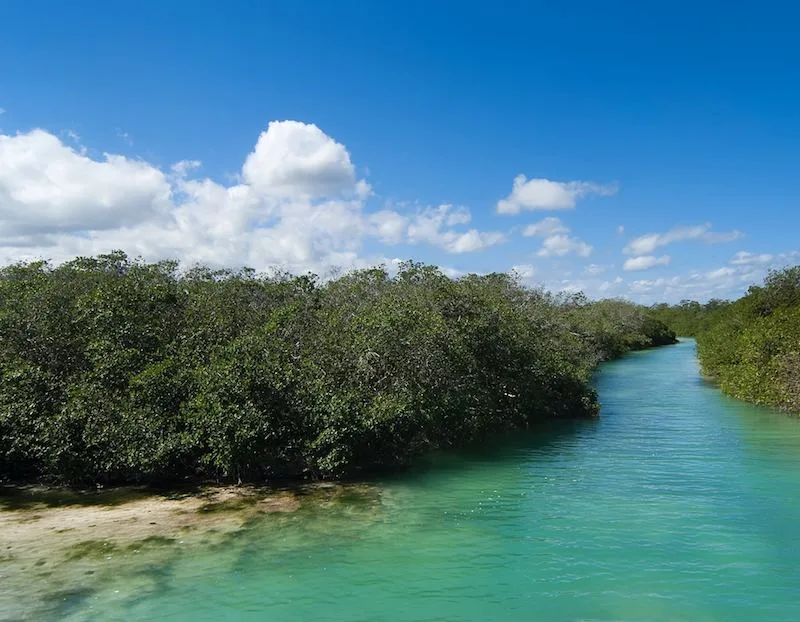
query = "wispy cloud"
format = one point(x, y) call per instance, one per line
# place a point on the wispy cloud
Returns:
point(545, 227)
point(594, 269)
point(744, 258)
point(645, 262)
point(648, 243)
point(126, 138)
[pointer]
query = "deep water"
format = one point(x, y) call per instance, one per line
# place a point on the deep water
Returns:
point(676, 504)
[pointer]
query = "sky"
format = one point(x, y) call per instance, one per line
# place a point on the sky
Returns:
point(646, 150)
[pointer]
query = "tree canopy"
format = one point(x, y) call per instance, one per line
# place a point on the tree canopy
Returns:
point(117, 370)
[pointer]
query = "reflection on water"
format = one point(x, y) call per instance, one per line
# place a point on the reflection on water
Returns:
point(676, 504)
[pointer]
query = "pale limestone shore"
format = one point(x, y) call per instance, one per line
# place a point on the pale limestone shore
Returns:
point(52, 547)
point(39, 526)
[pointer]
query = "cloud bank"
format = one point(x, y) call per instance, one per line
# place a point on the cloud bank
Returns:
point(297, 203)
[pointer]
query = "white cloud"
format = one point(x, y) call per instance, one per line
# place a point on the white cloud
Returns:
point(363, 189)
point(745, 258)
point(571, 287)
point(560, 245)
point(534, 194)
point(594, 269)
point(645, 262)
point(647, 244)
point(389, 226)
point(293, 159)
point(643, 286)
point(453, 273)
point(296, 205)
point(184, 167)
point(714, 237)
point(724, 282)
point(621, 230)
point(474, 240)
point(2, 111)
point(431, 226)
point(720, 273)
point(606, 286)
point(545, 227)
point(524, 271)
point(48, 187)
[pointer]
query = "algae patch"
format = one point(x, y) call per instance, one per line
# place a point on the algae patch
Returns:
point(57, 551)
point(89, 549)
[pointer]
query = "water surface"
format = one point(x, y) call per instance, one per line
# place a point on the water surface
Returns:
point(677, 504)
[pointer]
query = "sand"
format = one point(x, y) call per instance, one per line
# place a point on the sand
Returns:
point(54, 547)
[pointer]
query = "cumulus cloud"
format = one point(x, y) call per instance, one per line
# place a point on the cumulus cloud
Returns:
point(48, 187)
point(647, 244)
point(294, 159)
point(545, 227)
point(556, 243)
point(389, 226)
point(561, 245)
point(297, 204)
point(434, 226)
point(645, 262)
point(545, 194)
point(474, 240)
point(184, 167)
point(744, 258)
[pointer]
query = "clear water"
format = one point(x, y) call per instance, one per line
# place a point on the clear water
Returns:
point(677, 504)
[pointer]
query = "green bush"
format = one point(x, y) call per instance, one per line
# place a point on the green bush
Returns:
point(752, 346)
point(117, 370)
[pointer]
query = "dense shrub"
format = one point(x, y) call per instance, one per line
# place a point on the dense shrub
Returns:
point(116, 370)
point(752, 347)
point(618, 326)
point(689, 318)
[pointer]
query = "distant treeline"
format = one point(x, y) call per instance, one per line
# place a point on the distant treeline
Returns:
point(117, 370)
point(751, 347)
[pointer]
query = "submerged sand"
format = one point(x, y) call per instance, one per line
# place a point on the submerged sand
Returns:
point(54, 546)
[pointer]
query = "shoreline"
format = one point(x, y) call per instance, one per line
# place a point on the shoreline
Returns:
point(58, 545)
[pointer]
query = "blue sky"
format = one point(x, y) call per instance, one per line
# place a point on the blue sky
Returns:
point(679, 122)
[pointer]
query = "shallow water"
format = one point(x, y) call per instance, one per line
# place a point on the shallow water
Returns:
point(676, 504)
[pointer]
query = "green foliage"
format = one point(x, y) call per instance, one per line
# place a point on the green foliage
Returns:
point(618, 326)
point(689, 318)
point(116, 370)
point(752, 346)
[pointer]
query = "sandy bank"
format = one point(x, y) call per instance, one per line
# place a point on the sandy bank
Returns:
point(54, 546)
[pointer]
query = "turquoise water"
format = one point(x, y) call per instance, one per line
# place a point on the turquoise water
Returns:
point(677, 504)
